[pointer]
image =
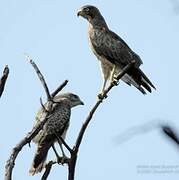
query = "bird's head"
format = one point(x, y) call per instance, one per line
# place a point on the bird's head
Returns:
point(70, 98)
point(88, 12)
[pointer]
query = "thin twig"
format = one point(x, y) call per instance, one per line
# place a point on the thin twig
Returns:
point(3, 79)
point(41, 103)
point(49, 165)
point(48, 168)
point(42, 79)
point(59, 88)
point(72, 163)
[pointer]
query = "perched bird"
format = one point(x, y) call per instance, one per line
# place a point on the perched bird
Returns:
point(56, 125)
point(112, 52)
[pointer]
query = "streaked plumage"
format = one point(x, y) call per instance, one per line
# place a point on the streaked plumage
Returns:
point(113, 53)
point(57, 124)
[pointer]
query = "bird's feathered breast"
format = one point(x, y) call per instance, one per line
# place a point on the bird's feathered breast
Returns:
point(106, 44)
point(57, 122)
point(59, 119)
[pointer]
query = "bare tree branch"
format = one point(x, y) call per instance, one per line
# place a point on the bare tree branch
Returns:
point(48, 168)
point(3, 79)
point(72, 162)
point(59, 88)
point(49, 165)
point(27, 139)
point(42, 79)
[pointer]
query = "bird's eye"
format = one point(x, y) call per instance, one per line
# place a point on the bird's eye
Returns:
point(87, 9)
point(75, 96)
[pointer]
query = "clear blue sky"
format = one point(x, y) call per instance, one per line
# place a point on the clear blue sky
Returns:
point(50, 32)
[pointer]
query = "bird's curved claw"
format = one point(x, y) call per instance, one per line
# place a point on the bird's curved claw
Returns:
point(62, 160)
point(101, 96)
point(115, 82)
point(29, 144)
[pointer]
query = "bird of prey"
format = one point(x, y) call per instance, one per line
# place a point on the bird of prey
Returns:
point(112, 51)
point(56, 126)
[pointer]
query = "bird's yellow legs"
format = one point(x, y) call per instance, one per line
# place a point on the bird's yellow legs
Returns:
point(113, 76)
point(108, 75)
point(113, 73)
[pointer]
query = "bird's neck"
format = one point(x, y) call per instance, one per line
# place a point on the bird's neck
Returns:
point(98, 23)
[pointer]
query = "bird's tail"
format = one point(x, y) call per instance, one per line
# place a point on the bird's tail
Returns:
point(40, 158)
point(140, 80)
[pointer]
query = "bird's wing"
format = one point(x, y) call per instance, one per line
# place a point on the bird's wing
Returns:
point(42, 112)
point(109, 45)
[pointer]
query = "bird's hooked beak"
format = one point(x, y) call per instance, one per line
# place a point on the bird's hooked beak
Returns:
point(80, 13)
point(82, 103)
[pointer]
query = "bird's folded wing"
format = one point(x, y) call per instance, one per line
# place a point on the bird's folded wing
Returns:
point(110, 46)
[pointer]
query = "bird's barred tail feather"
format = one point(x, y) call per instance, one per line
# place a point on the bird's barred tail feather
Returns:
point(40, 158)
point(142, 81)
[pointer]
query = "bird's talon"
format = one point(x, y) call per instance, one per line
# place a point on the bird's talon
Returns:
point(63, 160)
point(29, 144)
point(105, 96)
point(115, 82)
point(100, 96)
point(59, 159)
